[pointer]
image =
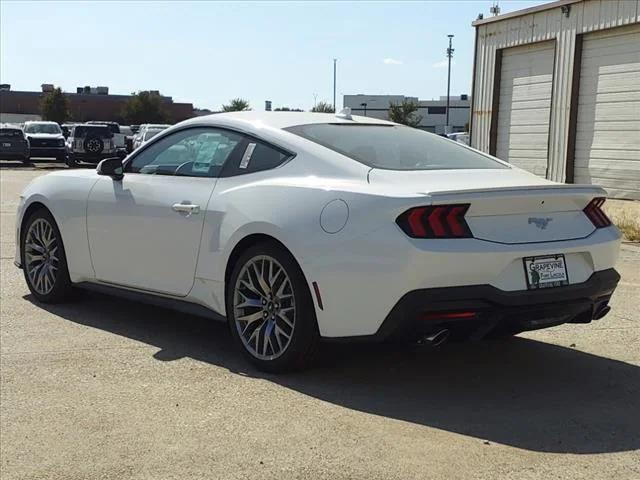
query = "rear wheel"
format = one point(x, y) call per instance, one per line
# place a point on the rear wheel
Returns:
point(71, 161)
point(270, 310)
point(44, 260)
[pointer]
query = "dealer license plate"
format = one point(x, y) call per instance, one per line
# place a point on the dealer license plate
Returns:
point(545, 271)
point(4, 144)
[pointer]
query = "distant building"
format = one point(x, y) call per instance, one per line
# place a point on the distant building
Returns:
point(433, 112)
point(88, 103)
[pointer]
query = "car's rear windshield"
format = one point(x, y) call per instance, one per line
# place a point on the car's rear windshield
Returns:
point(394, 147)
point(114, 127)
point(10, 133)
point(102, 131)
point(42, 128)
point(148, 134)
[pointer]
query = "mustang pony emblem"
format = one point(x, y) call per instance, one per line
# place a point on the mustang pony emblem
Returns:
point(541, 223)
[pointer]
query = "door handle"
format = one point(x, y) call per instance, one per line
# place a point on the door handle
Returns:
point(187, 208)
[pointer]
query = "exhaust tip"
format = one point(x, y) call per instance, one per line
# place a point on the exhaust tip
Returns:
point(435, 339)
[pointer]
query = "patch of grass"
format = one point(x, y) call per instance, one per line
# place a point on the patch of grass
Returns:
point(629, 226)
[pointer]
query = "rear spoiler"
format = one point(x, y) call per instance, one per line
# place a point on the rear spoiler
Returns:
point(532, 190)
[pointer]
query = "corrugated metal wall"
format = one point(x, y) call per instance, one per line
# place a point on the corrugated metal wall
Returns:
point(585, 16)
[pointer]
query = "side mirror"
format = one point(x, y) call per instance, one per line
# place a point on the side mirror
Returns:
point(111, 167)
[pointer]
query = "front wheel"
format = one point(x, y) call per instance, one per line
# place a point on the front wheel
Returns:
point(270, 310)
point(43, 258)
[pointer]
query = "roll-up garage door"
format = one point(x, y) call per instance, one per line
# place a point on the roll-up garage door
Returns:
point(526, 80)
point(608, 126)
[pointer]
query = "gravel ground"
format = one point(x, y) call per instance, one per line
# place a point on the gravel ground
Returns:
point(107, 389)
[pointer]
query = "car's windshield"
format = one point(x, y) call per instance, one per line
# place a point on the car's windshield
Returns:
point(92, 131)
point(42, 128)
point(10, 133)
point(394, 147)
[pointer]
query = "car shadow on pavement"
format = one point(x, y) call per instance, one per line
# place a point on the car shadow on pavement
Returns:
point(524, 393)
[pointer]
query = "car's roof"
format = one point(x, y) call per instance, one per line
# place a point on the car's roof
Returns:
point(41, 121)
point(91, 125)
point(282, 120)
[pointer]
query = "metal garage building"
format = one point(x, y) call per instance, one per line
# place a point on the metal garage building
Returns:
point(556, 90)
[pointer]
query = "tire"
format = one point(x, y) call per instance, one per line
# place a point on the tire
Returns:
point(291, 308)
point(39, 235)
point(71, 162)
point(61, 159)
point(93, 145)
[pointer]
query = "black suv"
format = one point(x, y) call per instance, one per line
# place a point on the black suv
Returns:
point(13, 143)
point(89, 143)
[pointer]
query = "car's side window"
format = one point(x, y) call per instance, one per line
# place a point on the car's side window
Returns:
point(258, 156)
point(195, 152)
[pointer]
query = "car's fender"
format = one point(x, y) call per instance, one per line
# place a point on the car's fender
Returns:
point(64, 194)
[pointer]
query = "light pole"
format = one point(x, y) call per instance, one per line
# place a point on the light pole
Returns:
point(449, 55)
point(335, 60)
point(364, 105)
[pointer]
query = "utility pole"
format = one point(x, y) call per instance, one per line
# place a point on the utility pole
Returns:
point(335, 60)
point(449, 55)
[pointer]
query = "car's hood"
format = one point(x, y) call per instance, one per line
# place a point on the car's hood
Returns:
point(45, 136)
point(75, 172)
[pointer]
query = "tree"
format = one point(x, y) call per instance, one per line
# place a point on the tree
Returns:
point(323, 107)
point(287, 109)
point(237, 105)
point(146, 107)
point(55, 106)
point(405, 113)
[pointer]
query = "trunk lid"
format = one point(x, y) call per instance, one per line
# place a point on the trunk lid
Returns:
point(507, 205)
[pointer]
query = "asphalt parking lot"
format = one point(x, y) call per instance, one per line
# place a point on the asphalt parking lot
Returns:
point(105, 388)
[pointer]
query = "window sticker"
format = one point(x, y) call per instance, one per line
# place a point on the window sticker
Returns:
point(244, 163)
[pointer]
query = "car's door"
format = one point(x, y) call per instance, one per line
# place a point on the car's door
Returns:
point(144, 230)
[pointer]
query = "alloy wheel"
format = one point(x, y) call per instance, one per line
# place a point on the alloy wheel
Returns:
point(264, 307)
point(93, 145)
point(41, 256)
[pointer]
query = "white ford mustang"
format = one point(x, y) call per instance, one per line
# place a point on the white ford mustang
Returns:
point(301, 226)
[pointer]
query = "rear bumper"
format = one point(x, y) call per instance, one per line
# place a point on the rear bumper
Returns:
point(424, 311)
point(14, 153)
point(85, 157)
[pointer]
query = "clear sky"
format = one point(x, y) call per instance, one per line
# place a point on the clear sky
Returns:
point(209, 52)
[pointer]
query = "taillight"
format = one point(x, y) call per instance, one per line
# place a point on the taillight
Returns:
point(437, 221)
point(594, 212)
